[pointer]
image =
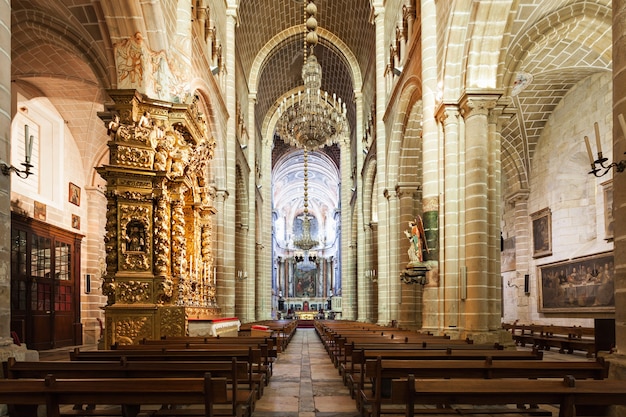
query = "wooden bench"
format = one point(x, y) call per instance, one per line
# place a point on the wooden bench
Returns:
point(267, 345)
point(589, 397)
point(238, 374)
point(344, 358)
point(252, 356)
point(381, 372)
point(353, 372)
point(283, 330)
point(24, 396)
point(565, 338)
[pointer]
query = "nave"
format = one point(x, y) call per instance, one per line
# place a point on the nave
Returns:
point(305, 383)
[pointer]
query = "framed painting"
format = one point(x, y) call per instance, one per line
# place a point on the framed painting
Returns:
point(74, 194)
point(40, 211)
point(581, 285)
point(542, 233)
point(508, 254)
point(75, 221)
point(609, 222)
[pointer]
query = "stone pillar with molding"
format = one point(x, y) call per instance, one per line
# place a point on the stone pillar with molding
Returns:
point(476, 108)
point(159, 274)
point(7, 347)
point(618, 359)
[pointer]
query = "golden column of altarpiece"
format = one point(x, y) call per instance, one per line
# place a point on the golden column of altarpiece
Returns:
point(159, 261)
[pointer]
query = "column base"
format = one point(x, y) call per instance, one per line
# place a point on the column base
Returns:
point(500, 336)
point(20, 352)
point(617, 370)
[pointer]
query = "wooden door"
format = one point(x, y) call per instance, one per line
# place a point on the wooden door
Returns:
point(45, 265)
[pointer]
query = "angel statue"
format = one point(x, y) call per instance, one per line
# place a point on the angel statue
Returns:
point(417, 237)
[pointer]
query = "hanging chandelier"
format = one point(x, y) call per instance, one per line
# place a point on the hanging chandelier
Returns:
point(306, 242)
point(311, 119)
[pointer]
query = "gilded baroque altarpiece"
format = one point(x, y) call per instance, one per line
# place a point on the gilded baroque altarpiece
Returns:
point(158, 240)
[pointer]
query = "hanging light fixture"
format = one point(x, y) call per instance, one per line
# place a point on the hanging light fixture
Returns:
point(311, 119)
point(306, 242)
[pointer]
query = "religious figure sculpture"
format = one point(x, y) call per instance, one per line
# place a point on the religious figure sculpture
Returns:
point(417, 237)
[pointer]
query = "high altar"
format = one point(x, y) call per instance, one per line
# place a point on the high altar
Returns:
point(160, 272)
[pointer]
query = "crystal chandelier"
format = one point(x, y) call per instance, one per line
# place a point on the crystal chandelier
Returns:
point(311, 119)
point(305, 242)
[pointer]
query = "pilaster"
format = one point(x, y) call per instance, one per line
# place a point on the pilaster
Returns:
point(7, 347)
point(384, 313)
point(618, 361)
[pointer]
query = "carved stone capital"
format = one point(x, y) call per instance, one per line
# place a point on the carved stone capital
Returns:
point(478, 103)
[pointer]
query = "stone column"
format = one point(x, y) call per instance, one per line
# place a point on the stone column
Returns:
point(230, 155)
point(395, 260)
point(519, 202)
point(619, 185)
point(372, 299)
point(497, 118)
point(365, 280)
point(259, 267)
point(384, 316)
point(225, 283)
point(441, 298)
point(95, 266)
point(358, 182)
point(430, 136)
point(348, 240)
point(7, 348)
point(409, 316)
point(475, 289)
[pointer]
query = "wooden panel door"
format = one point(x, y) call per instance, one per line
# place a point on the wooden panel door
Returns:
point(45, 266)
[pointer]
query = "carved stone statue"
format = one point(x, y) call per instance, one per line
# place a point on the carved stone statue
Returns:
point(417, 237)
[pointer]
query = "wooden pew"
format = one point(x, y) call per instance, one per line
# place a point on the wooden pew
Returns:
point(283, 330)
point(24, 395)
point(565, 338)
point(238, 374)
point(587, 397)
point(354, 377)
point(380, 372)
point(249, 355)
point(344, 355)
point(453, 354)
point(267, 345)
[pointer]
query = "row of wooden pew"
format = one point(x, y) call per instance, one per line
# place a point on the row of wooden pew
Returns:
point(386, 368)
point(174, 376)
point(566, 339)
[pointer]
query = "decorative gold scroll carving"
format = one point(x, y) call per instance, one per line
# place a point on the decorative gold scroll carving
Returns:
point(129, 329)
point(132, 157)
point(172, 322)
point(132, 292)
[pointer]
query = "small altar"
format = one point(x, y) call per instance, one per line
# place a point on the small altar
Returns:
point(306, 315)
point(225, 327)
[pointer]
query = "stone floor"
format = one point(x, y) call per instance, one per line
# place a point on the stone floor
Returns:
point(305, 383)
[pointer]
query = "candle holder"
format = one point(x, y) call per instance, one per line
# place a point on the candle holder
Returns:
point(28, 150)
point(24, 173)
point(599, 167)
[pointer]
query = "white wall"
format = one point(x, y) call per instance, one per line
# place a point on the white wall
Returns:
point(559, 180)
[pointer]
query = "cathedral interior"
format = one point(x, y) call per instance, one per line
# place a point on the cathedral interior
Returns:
point(169, 163)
